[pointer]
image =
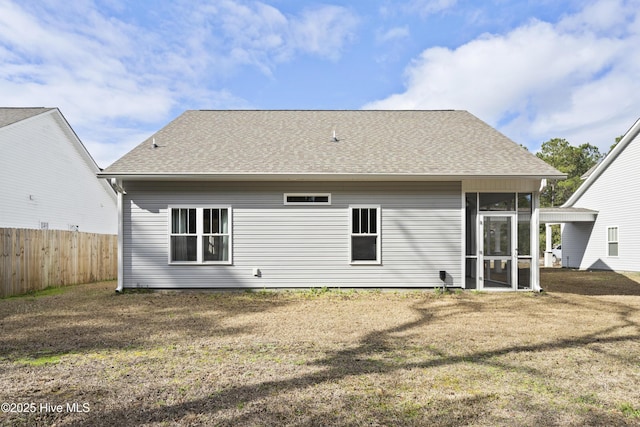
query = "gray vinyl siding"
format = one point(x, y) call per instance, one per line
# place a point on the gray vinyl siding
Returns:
point(615, 194)
point(298, 246)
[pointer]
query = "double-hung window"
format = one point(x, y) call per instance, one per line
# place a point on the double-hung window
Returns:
point(200, 235)
point(365, 234)
point(612, 241)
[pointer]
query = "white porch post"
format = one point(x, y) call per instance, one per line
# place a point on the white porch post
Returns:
point(548, 259)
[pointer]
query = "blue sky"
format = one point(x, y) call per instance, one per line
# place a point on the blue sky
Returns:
point(120, 70)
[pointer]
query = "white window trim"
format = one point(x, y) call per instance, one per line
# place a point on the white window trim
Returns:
point(612, 241)
point(378, 260)
point(327, 203)
point(200, 234)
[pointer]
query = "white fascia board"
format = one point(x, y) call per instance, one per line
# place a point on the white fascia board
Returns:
point(308, 177)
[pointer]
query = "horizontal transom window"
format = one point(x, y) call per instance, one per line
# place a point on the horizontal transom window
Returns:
point(307, 199)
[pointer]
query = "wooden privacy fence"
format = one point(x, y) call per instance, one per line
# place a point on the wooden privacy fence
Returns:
point(31, 260)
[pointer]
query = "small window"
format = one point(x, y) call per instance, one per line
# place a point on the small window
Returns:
point(612, 241)
point(307, 199)
point(365, 235)
point(200, 235)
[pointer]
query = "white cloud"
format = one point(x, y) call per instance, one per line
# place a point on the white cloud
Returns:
point(324, 30)
point(393, 35)
point(540, 80)
point(110, 76)
point(260, 35)
point(422, 8)
point(429, 7)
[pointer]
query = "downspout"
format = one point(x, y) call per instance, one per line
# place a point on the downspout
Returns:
point(117, 184)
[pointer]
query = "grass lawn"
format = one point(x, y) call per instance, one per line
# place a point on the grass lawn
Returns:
point(86, 356)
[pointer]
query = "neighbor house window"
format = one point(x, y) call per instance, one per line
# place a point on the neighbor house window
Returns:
point(612, 241)
point(365, 235)
point(307, 199)
point(200, 235)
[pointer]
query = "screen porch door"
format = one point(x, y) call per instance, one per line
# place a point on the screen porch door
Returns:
point(497, 254)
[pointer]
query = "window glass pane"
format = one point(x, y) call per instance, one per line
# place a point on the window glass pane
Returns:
point(307, 199)
point(364, 220)
point(183, 221)
point(613, 249)
point(497, 201)
point(191, 221)
point(215, 221)
point(183, 248)
point(216, 248)
point(175, 220)
point(224, 221)
point(524, 202)
point(613, 234)
point(373, 226)
point(206, 221)
point(363, 248)
point(355, 220)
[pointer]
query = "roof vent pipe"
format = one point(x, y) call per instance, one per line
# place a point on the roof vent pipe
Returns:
point(153, 144)
point(335, 138)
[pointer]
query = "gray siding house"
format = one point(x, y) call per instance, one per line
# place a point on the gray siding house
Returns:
point(291, 199)
point(611, 240)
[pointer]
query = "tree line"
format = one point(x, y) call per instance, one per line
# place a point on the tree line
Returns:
point(574, 161)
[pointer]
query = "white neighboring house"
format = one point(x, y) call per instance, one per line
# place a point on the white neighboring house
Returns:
point(612, 241)
point(48, 176)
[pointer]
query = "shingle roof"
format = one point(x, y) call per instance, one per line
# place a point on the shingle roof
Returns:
point(427, 143)
point(12, 115)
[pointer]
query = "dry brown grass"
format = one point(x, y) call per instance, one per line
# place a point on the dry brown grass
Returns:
point(569, 356)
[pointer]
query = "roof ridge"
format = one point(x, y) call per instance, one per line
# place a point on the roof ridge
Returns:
point(321, 109)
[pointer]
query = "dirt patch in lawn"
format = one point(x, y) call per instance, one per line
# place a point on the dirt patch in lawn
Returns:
point(321, 358)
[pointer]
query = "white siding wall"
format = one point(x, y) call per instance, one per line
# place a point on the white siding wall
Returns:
point(573, 247)
point(298, 246)
point(46, 179)
point(616, 195)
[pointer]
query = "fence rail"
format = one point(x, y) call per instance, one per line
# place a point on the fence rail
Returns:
point(31, 260)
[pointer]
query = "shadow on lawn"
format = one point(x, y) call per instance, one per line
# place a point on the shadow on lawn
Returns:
point(589, 282)
point(85, 320)
point(352, 362)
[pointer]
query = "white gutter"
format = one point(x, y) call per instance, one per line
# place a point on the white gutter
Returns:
point(261, 176)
